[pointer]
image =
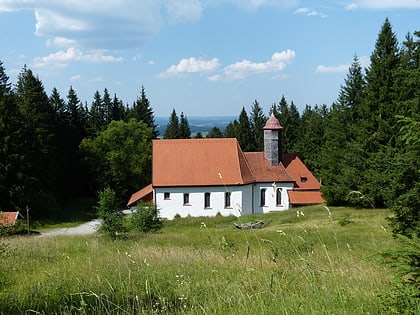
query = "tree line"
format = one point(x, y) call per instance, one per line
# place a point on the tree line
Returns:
point(364, 147)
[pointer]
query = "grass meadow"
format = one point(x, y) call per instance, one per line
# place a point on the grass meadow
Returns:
point(315, 261)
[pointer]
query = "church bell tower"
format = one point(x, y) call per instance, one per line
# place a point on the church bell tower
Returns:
point(272, 141)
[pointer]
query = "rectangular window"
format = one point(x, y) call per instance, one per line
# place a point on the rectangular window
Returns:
point(207, 200)
point(262, 197)
point(278, 196)
point(166, 195)
point(227, 199)
point(186, 199)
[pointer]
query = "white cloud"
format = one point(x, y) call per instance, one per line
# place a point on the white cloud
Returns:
point(60, 42)
point(184, 10)
point(256, 4)
point(384, 4)
point(309, 12)
point(245, 68)
point(62, 58)
point(119, 23)
point(191, 65)
point(332, 69)
point(76, 77)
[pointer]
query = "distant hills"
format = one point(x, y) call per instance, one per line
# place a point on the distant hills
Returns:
point(197, 124)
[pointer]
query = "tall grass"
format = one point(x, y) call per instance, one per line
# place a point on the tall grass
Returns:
point(308, 264)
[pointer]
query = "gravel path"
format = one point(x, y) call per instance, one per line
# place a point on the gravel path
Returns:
point(83, 229)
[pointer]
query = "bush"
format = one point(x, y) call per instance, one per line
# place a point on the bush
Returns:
point(404, 297)
point(110, 213)
point(146, 218)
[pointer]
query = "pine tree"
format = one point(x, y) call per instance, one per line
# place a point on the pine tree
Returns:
point(12, 172)
point(142, 111)
point(38, 134)
point(214, 132)
point(184, 127)
point(244, 135)
point(231, 130)
point(97, 117)
point(117, 110)
point(257, 122)
point(106, 104)
point(352, 93)
point(289, 118)
point(5, 85)
point(379, 107)
point(172, 129)
point(342, 157)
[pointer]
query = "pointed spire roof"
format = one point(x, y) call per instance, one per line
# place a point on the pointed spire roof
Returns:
point(272, 124)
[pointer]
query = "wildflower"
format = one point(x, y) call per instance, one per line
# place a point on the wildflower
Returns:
point(329, 212)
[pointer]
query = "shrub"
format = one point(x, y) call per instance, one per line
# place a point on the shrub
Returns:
point(146, 218)
point(110, 213)
point(404, 297)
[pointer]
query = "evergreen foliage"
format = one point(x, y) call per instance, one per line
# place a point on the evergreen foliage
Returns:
point(142, 111)
point(214, 133)
point(184, 128)
point(257, 123)
point(172, 130)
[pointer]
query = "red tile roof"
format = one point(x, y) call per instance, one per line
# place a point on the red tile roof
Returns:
point(145, 194)
point(303, 177)
point(305, 197)
point(263, 171)
point(8, 218)
point(199, 162)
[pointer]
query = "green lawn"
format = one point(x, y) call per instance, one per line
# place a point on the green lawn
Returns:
point(321, 262)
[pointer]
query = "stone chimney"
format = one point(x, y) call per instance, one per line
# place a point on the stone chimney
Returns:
point(272, 141)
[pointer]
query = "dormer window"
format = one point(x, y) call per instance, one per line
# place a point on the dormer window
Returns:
point(303, 179)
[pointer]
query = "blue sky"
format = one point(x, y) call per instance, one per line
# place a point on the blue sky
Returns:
point(201, 57)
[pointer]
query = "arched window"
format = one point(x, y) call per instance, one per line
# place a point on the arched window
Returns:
point(279, 197)
point(262, 197)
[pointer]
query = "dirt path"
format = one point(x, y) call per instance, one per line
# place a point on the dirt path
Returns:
point(83, 229)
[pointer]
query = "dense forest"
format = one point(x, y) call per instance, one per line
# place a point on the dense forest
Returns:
point(364, 148)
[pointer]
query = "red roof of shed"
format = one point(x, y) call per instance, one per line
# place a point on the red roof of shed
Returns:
point(8, 218)
point(305, 197)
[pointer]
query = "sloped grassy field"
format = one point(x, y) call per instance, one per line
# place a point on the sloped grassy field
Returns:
point(316, 261)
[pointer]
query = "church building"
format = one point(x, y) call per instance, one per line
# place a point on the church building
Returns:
point(205, 177)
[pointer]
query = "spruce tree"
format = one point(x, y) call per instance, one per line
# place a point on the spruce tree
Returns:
point(172, 130)
point(184, 127)
point(39, 164)
point(257, 122)
point(244, 135)
point(97, 119)
point(142, 111)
